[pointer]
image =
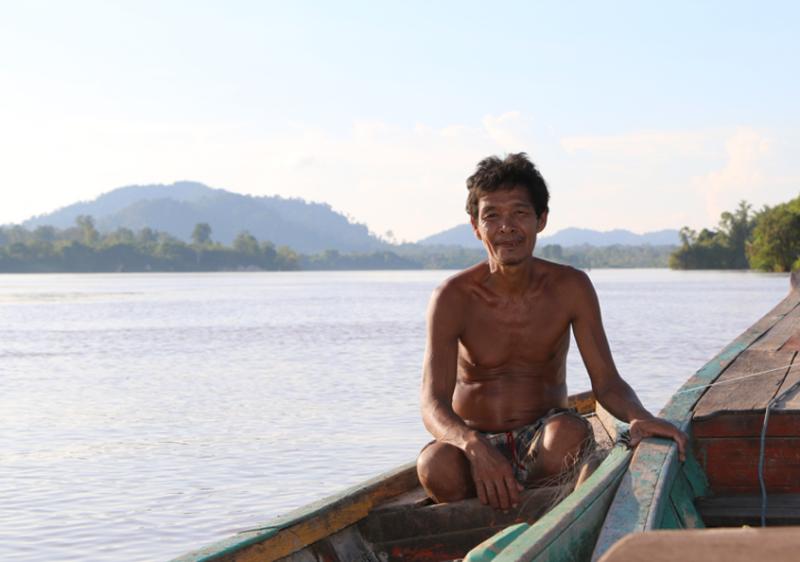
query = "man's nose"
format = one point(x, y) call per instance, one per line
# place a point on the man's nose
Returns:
point(508, 224)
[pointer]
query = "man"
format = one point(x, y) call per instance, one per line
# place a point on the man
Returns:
point(494, 392)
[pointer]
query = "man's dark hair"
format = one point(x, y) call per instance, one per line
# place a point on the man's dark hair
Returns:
point(516, 170)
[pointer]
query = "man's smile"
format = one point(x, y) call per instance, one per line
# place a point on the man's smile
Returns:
point(513, 243)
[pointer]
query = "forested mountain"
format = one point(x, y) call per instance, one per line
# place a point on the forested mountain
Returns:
point(177, 208)
point(462, 235)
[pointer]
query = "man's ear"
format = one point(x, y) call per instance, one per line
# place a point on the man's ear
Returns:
point(474, 222)
point(542, 222)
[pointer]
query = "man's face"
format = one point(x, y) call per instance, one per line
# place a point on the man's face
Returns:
point(507, 224)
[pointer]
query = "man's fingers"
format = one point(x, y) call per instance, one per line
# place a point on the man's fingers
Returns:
point(514, 488)
point(481, 490)
point(491, 494)
point(502, 494)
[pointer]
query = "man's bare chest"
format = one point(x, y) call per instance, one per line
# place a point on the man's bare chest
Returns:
point(495, 336)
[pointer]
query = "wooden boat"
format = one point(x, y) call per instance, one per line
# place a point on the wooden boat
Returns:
point(742, 412)
point(390, 518)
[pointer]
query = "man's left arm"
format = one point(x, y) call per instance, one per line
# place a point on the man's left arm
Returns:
point(609, 388)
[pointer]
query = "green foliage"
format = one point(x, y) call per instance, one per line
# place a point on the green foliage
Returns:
point(332, 259)
point(84, 249)
point(246, 243)
point(201, 234)
point(89, 233)
point(616, 256)
point(776, 238)
point(724, 248)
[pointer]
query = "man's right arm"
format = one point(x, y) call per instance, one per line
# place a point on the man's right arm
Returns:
point(494, 478)
point(439, 370)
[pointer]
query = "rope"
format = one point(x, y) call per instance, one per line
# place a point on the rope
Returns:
point(728, 381)
point(761, 482)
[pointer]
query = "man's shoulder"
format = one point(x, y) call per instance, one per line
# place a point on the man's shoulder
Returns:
point(458, 286)
point(563, 275)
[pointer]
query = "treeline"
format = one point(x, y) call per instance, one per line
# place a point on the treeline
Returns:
point(767, 240)
point(604, 257)
point(82, 248)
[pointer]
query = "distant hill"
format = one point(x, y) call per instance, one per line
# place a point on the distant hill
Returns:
point(462, 235)
point(305, 227)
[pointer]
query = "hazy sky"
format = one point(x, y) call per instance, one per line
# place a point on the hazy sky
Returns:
point(640, 115)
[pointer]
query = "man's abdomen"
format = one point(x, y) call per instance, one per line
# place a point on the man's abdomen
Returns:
point(506, 401)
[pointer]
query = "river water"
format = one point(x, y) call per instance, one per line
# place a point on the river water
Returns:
point(142, 416)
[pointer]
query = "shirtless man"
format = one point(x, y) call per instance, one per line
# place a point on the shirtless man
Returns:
point(494, 391)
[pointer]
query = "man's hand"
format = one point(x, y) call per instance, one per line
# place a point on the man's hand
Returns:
point(494, 478)
point(658, 427)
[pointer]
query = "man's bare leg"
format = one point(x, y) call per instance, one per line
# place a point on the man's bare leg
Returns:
point(562, 444)
point(444, 472)
point(586, 469)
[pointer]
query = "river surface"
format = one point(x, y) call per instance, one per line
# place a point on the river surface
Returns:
point(142, 416)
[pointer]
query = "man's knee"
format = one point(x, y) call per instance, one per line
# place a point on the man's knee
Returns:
point(565, 438)
point(443, 471)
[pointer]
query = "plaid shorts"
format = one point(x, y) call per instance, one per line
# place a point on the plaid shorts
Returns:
point(520, 445)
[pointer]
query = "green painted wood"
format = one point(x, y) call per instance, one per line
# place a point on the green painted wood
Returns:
point(576, 542)
point(669, 519)
point(271, 528)
point(682, 497)
point(695, 476)
point(670, 468)
point(491, 547)
point(575, 522)
point(639, 503)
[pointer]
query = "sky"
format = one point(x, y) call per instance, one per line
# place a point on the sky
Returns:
point(640, 115)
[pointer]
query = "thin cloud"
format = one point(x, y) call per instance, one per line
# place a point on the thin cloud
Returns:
point(742, 177)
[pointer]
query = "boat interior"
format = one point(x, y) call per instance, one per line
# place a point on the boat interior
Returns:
point(411, 527)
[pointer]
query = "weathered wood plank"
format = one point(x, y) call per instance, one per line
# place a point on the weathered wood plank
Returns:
point(732, 464)
point(582, 402)
point(665, 479)
point(792, 344)
point(792, 400)
point(708, 545)
point(433, 548)
point(782, 423)
point(782, 509)
point(612, 425)
point(752, 393)
point(396, 524)
point(780, 333)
